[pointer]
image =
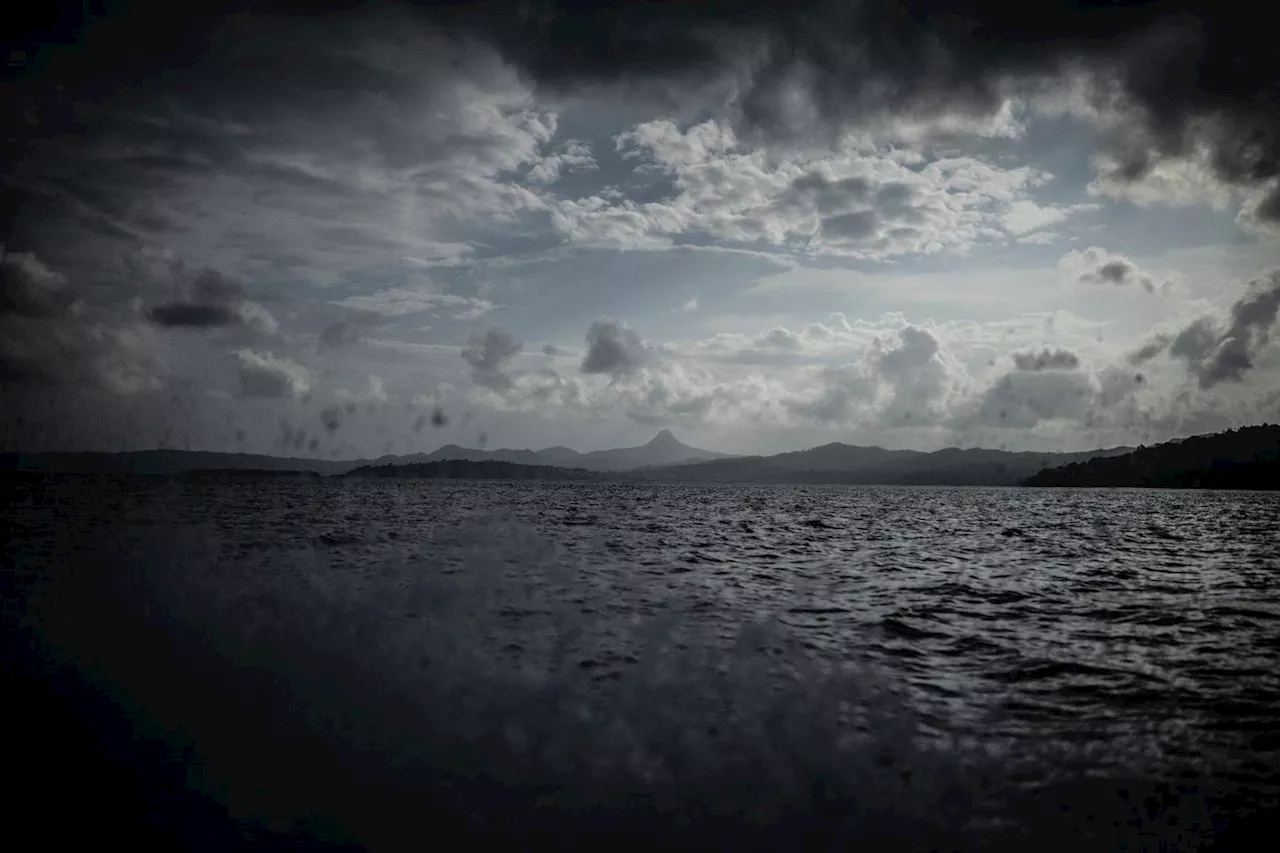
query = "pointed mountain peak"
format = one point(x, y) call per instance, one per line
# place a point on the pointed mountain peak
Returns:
point(664, 438)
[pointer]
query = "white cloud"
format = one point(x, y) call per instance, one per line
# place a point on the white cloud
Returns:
point(265, 375)
point(858, 202)
point(1025, 216)
point(573, 155)
point(1097, 266)
point(422, 298)
point(1179, 182)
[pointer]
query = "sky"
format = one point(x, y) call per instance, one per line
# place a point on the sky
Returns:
point(345, 230)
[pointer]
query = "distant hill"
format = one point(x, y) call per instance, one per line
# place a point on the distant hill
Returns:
point(663, 449)
point(487, 469)
point(1246, 458)
point(162, 463)
point(664, 458)
point(844, 463)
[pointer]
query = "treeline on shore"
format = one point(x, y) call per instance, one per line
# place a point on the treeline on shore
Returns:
point(1245, 458)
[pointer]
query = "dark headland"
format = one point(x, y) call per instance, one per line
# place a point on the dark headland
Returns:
point(1246, 458)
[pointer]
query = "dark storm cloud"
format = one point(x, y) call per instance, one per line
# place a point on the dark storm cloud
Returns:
point(1046, 359)
point(213, 300)
point(192, 314)
point(488, 355)
point(1216, 352)
point(1192, 75)
point(614, 349)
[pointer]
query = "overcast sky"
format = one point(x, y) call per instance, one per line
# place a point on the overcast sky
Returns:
point(350, 231)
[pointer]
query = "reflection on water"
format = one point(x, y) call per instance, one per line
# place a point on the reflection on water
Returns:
point(702, 665)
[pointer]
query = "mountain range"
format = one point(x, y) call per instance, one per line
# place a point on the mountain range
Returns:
point(663, 449)
point(664, 458)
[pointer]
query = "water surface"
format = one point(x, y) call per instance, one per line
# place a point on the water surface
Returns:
point(709, 665)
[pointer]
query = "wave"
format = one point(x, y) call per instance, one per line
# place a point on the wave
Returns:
point(477, 693)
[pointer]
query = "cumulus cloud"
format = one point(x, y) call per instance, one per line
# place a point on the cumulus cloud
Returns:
point(262, 374)
point(844, 392)
point(614, 349)
point(1215, 350)
point(861, 202)
point(778, 338)
point(1095, 265)
point(902, 380)
point(488, 355)
point(1046, 359)
point(212, 300)
point(1021, 400)
point(917, 377)
point(573, 155)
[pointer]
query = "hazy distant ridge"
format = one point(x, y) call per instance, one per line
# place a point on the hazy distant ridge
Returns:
point(664, 458)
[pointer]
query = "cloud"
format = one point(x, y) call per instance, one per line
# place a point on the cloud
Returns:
point(30, 289)
point(46, 341)
point(1024, 216)
point(73, 355)
point(424, 298)
point(613, 349)
point(901, 380)
point(1046, 359)
point(844, 392)
point(347, 332)
point(573, 155)
point(917, 376)
point(1182, 82)
point(859, 200)
point(1149, 350)
point(213, 300)
point(1095, 265)
point(1216, 350)
point(265, 375)
point(416, 120)
point(778, 338)
point(293, 148)
point(488, 355)
point(1021, 400)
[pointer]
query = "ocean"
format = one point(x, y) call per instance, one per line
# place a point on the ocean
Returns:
point(405, 665)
